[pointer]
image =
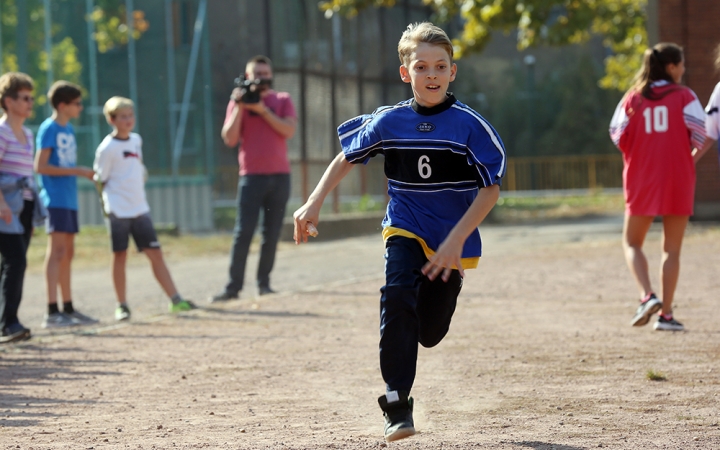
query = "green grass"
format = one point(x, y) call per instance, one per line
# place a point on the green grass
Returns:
point(519, 209)
point(654, 375)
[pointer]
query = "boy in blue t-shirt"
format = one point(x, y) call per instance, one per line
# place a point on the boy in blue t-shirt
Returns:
point(444, 164)
point(55, 162)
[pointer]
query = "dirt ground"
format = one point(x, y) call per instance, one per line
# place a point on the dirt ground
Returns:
point(540, 355)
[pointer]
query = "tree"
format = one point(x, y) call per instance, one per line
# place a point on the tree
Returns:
point(621, 23)
point(110, 22)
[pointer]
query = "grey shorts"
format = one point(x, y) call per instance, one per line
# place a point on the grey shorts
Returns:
point(141, 228)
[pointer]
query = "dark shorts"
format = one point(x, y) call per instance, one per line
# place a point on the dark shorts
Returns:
point(61, 220)
point(141, 228)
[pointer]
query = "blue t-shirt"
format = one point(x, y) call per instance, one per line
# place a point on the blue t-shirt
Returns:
point(58, 191)
point(436, 160)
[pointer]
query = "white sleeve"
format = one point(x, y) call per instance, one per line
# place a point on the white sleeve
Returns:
point(618, 123)
point(103, 163)
point(712, 122)
point(695, 122)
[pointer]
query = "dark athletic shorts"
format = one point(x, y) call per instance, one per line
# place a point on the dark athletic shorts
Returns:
point(61, 220)
point(141, 228)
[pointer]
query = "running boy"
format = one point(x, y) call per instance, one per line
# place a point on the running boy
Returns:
point(444, 164)
point(120, 170)
point(55, 162)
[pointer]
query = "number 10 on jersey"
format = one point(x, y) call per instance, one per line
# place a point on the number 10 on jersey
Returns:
point(656, 119)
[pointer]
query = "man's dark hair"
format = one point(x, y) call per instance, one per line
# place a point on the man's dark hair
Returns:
point(259, 59)
point(63, 92)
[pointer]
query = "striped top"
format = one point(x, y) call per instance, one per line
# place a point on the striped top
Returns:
point(15, 158)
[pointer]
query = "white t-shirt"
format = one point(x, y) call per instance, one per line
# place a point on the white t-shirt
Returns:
point(712, 122)
point(118, 164)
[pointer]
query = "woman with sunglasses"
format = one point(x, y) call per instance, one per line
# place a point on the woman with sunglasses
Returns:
point(17, 195)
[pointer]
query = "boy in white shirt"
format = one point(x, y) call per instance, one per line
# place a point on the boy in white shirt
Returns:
point(119, 169)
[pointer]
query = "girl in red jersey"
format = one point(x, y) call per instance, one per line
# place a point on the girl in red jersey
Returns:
point(658, 126)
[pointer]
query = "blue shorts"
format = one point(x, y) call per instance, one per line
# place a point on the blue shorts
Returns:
point(61, 220)
point(141, 228)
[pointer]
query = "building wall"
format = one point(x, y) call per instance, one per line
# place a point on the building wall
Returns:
point(692, 24)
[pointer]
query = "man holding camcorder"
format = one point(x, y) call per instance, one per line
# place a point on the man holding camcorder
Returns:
point(260, 121)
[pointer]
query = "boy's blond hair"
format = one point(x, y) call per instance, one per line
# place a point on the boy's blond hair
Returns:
point(422, 32)
point(115, 104)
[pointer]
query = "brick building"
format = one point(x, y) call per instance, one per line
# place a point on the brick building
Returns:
point(691, 24)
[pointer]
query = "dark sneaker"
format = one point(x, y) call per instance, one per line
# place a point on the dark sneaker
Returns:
point(265, 290)
point(670, 324)
point(183, 305)
point(79, 318)
point(14, 333)
point(57, 320)
point(223, 297)
point(397, 408)
point(122, 312)
point(645, 311)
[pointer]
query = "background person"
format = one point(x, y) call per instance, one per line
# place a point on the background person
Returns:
point(712, 122)
point(658, 126)
point(261, 130)
point(55, 162)
point(119, 167)
point(16, 202)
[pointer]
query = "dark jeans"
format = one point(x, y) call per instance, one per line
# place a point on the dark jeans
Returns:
point(413, 310)
point(270, 194)
point(13, 248)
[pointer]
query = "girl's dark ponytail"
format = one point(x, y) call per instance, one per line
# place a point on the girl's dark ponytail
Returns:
point(655, 60)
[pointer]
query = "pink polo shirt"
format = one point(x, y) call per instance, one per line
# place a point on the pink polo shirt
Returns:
point(263, 151)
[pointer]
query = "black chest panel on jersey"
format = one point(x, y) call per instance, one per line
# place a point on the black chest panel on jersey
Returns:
point(427, 166)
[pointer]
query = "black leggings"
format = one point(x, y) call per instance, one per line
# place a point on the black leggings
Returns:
point(13, 248)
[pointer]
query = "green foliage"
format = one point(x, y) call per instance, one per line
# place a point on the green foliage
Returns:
point(621, 23)
point(109, 17)
point(111, 29)
point(567, 113)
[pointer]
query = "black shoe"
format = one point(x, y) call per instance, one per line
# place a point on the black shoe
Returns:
point(223, 297)
point(14, 333)
point(265, 290)
point(670, 324)
point(398, 415)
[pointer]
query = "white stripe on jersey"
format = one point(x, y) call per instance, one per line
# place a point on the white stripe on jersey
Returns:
point(489, 131)
point(619, 122)
point(694, 116)
point(370, 118)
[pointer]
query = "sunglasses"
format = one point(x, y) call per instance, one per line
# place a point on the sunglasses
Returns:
point(26, 98)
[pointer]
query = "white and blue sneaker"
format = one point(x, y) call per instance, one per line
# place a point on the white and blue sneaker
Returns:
point(648, 306)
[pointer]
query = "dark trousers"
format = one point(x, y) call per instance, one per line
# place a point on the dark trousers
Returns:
point(270, 194)
point(13, 248)
point(413, 310)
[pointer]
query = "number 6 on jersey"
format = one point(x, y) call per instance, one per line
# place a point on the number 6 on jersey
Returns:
point(424, 167)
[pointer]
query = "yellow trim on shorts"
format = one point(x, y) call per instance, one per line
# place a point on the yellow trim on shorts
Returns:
point(467, 263)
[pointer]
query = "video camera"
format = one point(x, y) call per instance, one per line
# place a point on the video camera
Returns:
point(251, 89)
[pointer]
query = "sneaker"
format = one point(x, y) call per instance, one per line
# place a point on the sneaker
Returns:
point(670, 324)
point(397, 408)
point(14, 333)
point(122, 312)
point(57, 320)
point(79, 318)
point(649, 306)
point(265, 290)
point(183, 305)
point(223, 297)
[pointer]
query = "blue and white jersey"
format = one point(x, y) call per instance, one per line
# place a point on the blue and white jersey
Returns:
point(58, 191)
point(436, 160)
